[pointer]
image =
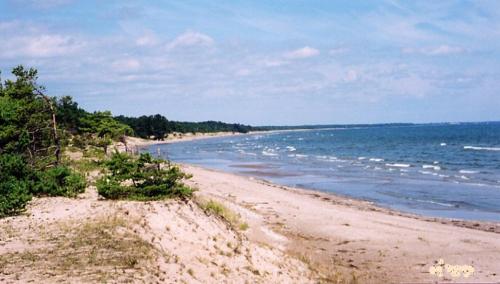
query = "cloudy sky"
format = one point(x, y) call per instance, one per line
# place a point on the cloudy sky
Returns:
point(264, 62)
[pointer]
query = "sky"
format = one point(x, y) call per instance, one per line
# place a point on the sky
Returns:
point(263, 62)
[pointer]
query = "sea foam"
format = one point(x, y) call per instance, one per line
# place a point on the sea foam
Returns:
point(396, 165)
point(482, 148)
point(436, 168)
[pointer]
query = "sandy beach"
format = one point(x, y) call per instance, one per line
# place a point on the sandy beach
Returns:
point(179, 137)
point(337, 235)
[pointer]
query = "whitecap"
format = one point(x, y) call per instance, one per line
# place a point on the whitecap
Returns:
point(482, 148)
point(396, 165)
point(268, 153)
point(362, 158)
point(301, 156)
point(468, 172)
point(376, 160)
point(291, 148)
point(436, 168)
point(443, 144)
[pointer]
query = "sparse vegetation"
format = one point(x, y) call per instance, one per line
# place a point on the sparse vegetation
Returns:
point(218, 209)
point(100, 249)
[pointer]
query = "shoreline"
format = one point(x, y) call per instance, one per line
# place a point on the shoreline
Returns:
point(359, 236)
point(361, 204)
point(354, 236)
point(483, 225)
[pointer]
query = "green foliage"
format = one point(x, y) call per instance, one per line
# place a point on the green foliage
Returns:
point(14, 185)
point(59, 181)
point(104, 128)
point(158, 127)
point(25, 119)
point(142, 178)
point(29, 144)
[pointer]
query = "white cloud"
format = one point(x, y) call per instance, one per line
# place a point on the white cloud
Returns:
point(445, 49)
point(124, 65)
point(189, 39)
point(439, 50)
point(43, 4)
point(300, 53)
point(45, 45)
point(147, 39)
point(351, 76)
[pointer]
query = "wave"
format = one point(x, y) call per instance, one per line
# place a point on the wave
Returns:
point(463, 177)
point(428, 173)
point(436, 168)
point(268, 153)
point(291, 148)
point(396, 165)
point(481, 148)
point(468, 172)
point(435, 202)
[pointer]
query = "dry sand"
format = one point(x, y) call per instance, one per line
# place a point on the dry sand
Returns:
point(178, 137)
point(87, 240)
point(337, 235)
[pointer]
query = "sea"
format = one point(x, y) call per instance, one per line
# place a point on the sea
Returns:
point(438, 170)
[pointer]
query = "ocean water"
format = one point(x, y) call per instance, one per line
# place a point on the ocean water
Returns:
point(447, 170)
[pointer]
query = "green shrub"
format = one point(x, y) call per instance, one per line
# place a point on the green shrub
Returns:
point(142, 178)
point(59, 181)
point(14, 187)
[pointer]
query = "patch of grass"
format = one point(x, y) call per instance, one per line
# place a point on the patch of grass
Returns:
point(99, 250)
point(218, 209)
point(85, 165)
point(244, 226)
point(94, 152)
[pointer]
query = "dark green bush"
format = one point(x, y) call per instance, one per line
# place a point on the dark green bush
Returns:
point(142, 178)
point(58, 181)
point(14, 187)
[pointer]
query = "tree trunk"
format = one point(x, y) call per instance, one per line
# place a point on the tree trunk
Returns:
point(57, 152)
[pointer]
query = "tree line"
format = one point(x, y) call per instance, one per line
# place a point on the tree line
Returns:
point(159, 127)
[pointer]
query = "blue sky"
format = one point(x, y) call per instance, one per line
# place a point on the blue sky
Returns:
point(264, 62)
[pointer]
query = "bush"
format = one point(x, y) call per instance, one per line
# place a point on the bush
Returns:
point(14, 187)
point(59, 181)
point(142, 178)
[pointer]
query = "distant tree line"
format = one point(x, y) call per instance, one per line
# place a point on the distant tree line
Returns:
point(158, 127)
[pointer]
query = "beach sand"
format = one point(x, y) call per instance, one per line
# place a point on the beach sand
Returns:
point(341, 236)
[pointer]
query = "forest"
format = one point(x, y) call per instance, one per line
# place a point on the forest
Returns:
point(159, 127)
